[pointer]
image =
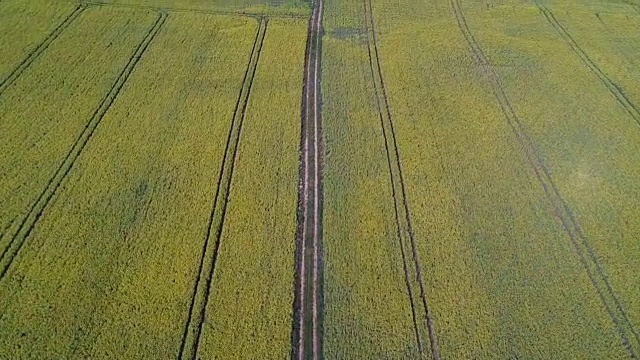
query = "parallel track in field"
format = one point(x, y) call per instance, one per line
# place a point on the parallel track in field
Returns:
point(613, 88)
point(40, 48)
point(202, 286)
point(421, 313)
point(37, 208)
point(584, 250)
point(307, 329)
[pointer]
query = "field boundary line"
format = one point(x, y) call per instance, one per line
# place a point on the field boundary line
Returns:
point(562, 210)
point(399, 192)
point(191, 335)
point(40, 48)
point(308, 305)
point(35, 212)
point(254, 15)
point(613, 88)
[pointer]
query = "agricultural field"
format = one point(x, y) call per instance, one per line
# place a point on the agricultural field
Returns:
point(362, 179)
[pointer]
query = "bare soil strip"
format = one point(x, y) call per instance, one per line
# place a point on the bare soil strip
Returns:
point(307, 326)
point(35, 212)
point(419, 308)
point(613, 88)
point(35, 53)
point(563, 212)
point(202, 285)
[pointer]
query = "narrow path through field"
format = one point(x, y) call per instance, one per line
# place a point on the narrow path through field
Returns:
point(33, 215)
point(202, 285)
point(308, 303)
point(613, 88)
point(563, 212)
point(35, 53)
point(412, 270)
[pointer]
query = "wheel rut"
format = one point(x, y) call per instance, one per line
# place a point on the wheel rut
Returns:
point(307, 327)
point(420, 310)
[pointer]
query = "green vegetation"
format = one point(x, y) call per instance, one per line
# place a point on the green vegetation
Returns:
point(250, 305)
point(593, 151)
point(502, 273)
point(612, 218)
point(131, 226)
point(109, 269)
point(40, 18)
point(367, 311)
point(295, 8)
point(45, 110)
point(610, 39)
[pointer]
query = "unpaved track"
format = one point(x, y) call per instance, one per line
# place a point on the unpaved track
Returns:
point(562, 210)
point(35, 212)
point(420, 310)
point(202, 286)
point(307, 325)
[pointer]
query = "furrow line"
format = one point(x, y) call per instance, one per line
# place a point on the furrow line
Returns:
point(613, 88)
point(40, 48)
point(561, 208)
point(401, 201)
point(35, 212)
point(202, 286)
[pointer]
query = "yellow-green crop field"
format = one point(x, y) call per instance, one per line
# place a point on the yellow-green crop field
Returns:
point(479, 179)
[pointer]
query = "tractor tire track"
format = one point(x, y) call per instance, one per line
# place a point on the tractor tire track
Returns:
point(613, 88)
point(562, 210)
point(307, 327)
point(202, 286)
point(299, 304)
point(40, 48)
point(35, 212)
point(404, 225)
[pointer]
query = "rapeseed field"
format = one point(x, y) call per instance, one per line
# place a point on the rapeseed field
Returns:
point(360, 179)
